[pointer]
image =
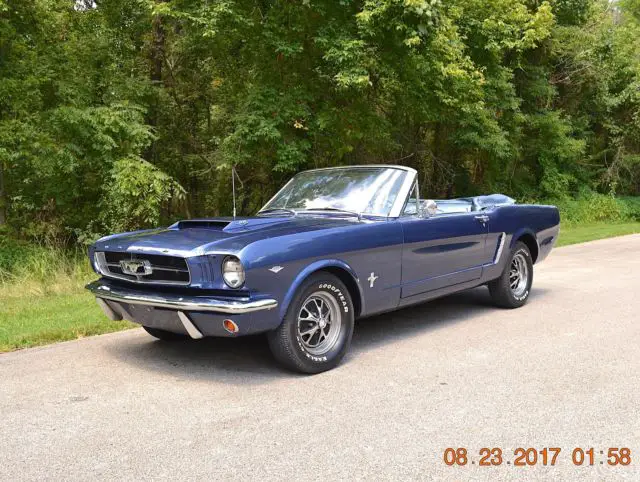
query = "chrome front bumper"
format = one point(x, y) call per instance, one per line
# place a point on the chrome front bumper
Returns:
point(104, 290)
point(187, 308)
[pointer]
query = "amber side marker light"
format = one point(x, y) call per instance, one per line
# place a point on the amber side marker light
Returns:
point(230, 326)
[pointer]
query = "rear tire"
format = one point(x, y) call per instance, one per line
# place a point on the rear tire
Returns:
point(165, 335)
point(317, 329)
point(513, 287)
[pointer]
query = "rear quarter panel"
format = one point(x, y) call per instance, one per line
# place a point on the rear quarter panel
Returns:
point(540, 221)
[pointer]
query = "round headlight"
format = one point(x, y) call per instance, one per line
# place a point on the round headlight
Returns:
point(233, 272)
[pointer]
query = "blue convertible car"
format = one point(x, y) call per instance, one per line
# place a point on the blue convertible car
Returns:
point(331, 246)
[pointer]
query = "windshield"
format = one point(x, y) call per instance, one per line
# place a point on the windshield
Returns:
point(362, 190)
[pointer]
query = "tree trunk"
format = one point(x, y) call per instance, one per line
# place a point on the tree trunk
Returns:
point(157, 48)
point(156, 61)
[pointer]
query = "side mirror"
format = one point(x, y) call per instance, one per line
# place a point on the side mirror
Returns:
point(429, 207)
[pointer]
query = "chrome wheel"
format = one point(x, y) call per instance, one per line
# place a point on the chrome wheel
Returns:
point(319, 322)
point(519, 275)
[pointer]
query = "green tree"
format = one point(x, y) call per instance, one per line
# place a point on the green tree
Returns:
point(116, 114)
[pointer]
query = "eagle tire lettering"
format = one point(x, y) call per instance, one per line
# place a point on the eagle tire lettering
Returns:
point(307, 354)
point(287, 344)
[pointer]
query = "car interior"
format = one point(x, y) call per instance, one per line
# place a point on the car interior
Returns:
point(462, 205)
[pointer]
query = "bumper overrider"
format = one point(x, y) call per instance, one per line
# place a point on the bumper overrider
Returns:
point(196, 316)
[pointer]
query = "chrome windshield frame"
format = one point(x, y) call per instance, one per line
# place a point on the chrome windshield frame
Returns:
point(401, 198)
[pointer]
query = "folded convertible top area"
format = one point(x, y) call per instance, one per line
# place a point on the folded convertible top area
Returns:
point(469, 204)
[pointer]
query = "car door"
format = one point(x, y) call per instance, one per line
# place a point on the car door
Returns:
point(442, 250)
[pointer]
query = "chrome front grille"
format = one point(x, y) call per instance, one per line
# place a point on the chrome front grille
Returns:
point(143, 268)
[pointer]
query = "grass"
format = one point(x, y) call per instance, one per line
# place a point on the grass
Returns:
point(32, 321)
point(591, 232)
point(42, 299)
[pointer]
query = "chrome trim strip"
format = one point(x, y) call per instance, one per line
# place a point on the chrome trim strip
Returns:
point(189, 326)
point(403, 193)
point(155, 268)
point(503, 238)
point(364, 166)
point(277, 192)
point(419, 210)
point(102, 289)
point(100, 262)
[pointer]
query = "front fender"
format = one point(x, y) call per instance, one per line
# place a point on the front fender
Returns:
point(308, 271)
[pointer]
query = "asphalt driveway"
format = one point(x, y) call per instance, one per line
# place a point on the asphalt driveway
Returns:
point(563, 371)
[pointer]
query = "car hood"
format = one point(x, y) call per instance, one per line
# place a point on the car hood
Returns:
point(202, 236)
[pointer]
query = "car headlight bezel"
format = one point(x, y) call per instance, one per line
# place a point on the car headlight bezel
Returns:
point(233, 272)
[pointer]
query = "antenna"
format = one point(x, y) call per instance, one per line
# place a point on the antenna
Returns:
point(234, 174)
point(233, 188)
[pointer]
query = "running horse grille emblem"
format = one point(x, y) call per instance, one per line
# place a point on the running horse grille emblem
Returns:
point(136, 267)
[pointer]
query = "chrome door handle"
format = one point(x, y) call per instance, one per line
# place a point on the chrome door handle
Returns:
point(483, 218)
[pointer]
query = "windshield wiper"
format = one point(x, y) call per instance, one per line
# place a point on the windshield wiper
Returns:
point(276, 210)
point(345, 211)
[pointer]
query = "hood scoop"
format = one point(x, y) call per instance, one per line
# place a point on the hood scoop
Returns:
point(201, 224)
point(240, 225)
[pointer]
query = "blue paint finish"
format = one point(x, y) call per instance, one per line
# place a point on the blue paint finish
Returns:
point(413, 259)
point(313, 268)
point(442, 250)
point(520, 233)
point(358, 247)
point(542, 223)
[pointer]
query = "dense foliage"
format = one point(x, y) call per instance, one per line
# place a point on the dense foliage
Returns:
point(116, 114)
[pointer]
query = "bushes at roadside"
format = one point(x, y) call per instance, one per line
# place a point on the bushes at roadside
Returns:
point(11, 252)
point(632, 207)
point(31, 269)
point(591, 207)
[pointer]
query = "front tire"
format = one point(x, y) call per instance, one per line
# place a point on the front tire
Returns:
point(165, 335)
point(317, 329)
point(513, 288)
